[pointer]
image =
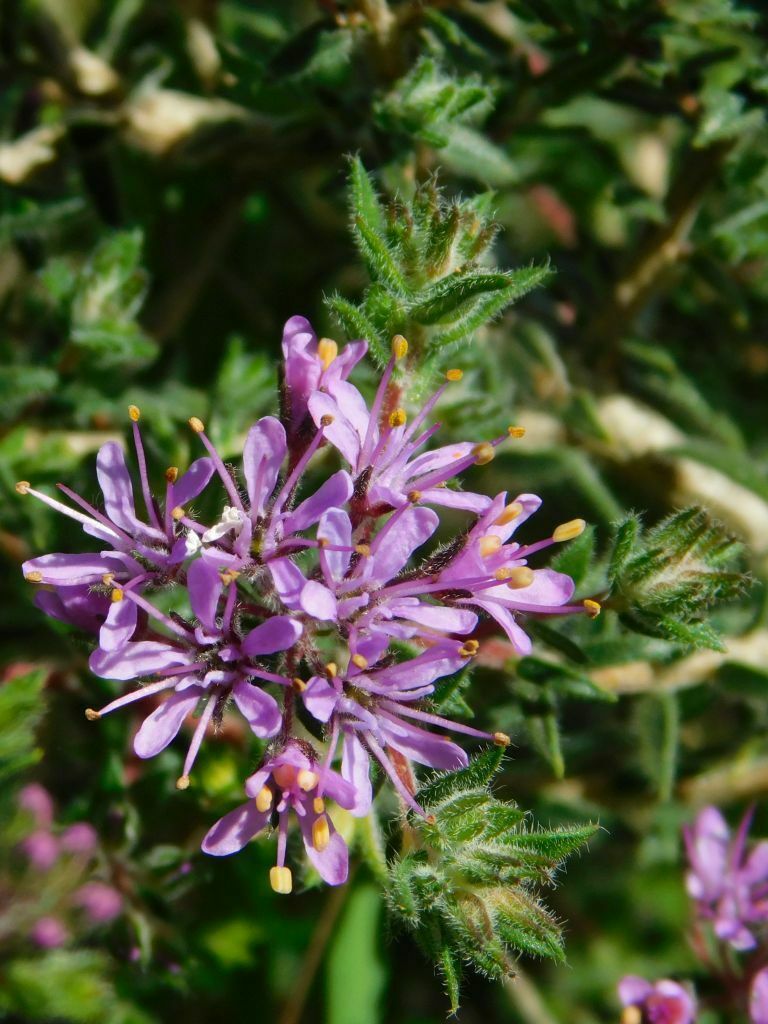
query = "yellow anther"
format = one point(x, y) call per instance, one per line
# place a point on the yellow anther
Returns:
point(510, 512)
point(117, 595)
point(592, 608)
point(631, 1015)
point(172, 474)
point(108, 579)
point(516, 432)
point(431, 819)
point(501, 739)
point(503, 574)
point(483, 453)
point(182, 782)
point(469, 649)
point(22, 487)
point(454, 375)
point(134, 412)
point(398, 418)
point(307, 780)
point(520, 577)
point(321, 833)
point(414, 496)
point(281, 880)
point(489, 545)
point(363, 549)
point(178, 513)
point(323, 542)
point(34, 577)
point(567, 531)
point(264, 799)
point(399, 347)
point(318, 805)
point(298, 684)
point(360, 660)
point(331, 669)
point(327, 420)
point(228, 576)
point(91, 715)
point(327, 350)
point(197, 424)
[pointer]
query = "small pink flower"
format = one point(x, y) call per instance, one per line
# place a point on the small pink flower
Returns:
point(41, 849)
point(37, 800)
point(79, 838)
point(48, 933)
point(100, 902)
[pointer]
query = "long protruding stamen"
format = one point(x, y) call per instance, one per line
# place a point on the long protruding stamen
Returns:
point(397, 782)
point(229, 607)
point(141, 459)
point(269, 677)
point(396, 709)
point(128, 698)
point(480, 455)
point(93, 513)
point(95, 519)
point(296, 472)
point(564, 532)
point(197, 739)
point(399, 350)
point(328, 760)
point(226, 477)
point(155, 613)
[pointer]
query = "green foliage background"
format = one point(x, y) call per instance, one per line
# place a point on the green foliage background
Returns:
point(176, 179)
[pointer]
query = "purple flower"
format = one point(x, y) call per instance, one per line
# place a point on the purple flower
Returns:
point(209, 661)
point(292, 780)
point(293, 580)
point(758, 997)
point(382, 448)
point(41, 848)
point(79, 838)
point(37, 800)
point(371, 710)
point(664, 1002)
point(49, 933)
point(729, 885)
point(310, 365)
point(100, 902)
point(137, 553)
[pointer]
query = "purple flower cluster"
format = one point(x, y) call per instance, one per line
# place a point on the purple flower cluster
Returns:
point(299, 603)
point(729, 885)
point(665, 1002)
point(72, 850)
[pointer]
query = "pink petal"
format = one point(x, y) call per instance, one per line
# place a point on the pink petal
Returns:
point(320, 698)
point(391, 549)
point(332, 863)
point(205, 587)
point(633, 990)
point(335, 528)
point(318, 601)
point(115, 483)
point(339, 430)
point(336, 490)
point(425, 747)
point(119, 625)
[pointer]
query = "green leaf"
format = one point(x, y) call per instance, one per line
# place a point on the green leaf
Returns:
point(356, 978)
point(478, 773)
point(363, 200)
point(22, 706)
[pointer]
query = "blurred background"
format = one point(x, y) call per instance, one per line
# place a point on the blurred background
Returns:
point(173, 186)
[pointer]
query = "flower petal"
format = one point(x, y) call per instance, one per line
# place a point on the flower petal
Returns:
point(332, 863)
point(158, 729)
point(258, 708)
point(193, 482)
point(205, 587)
point(633, 990)
point(356, 769)
point(391, 549)
point(318, 601)
point(335, 528)
point(119, 625)
point(115, 483)
point(263, 455)
point(336, 490)
point(142, 658)
point(320, 698)
point(234, 830)
point(276, 634)
point(428, 748)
